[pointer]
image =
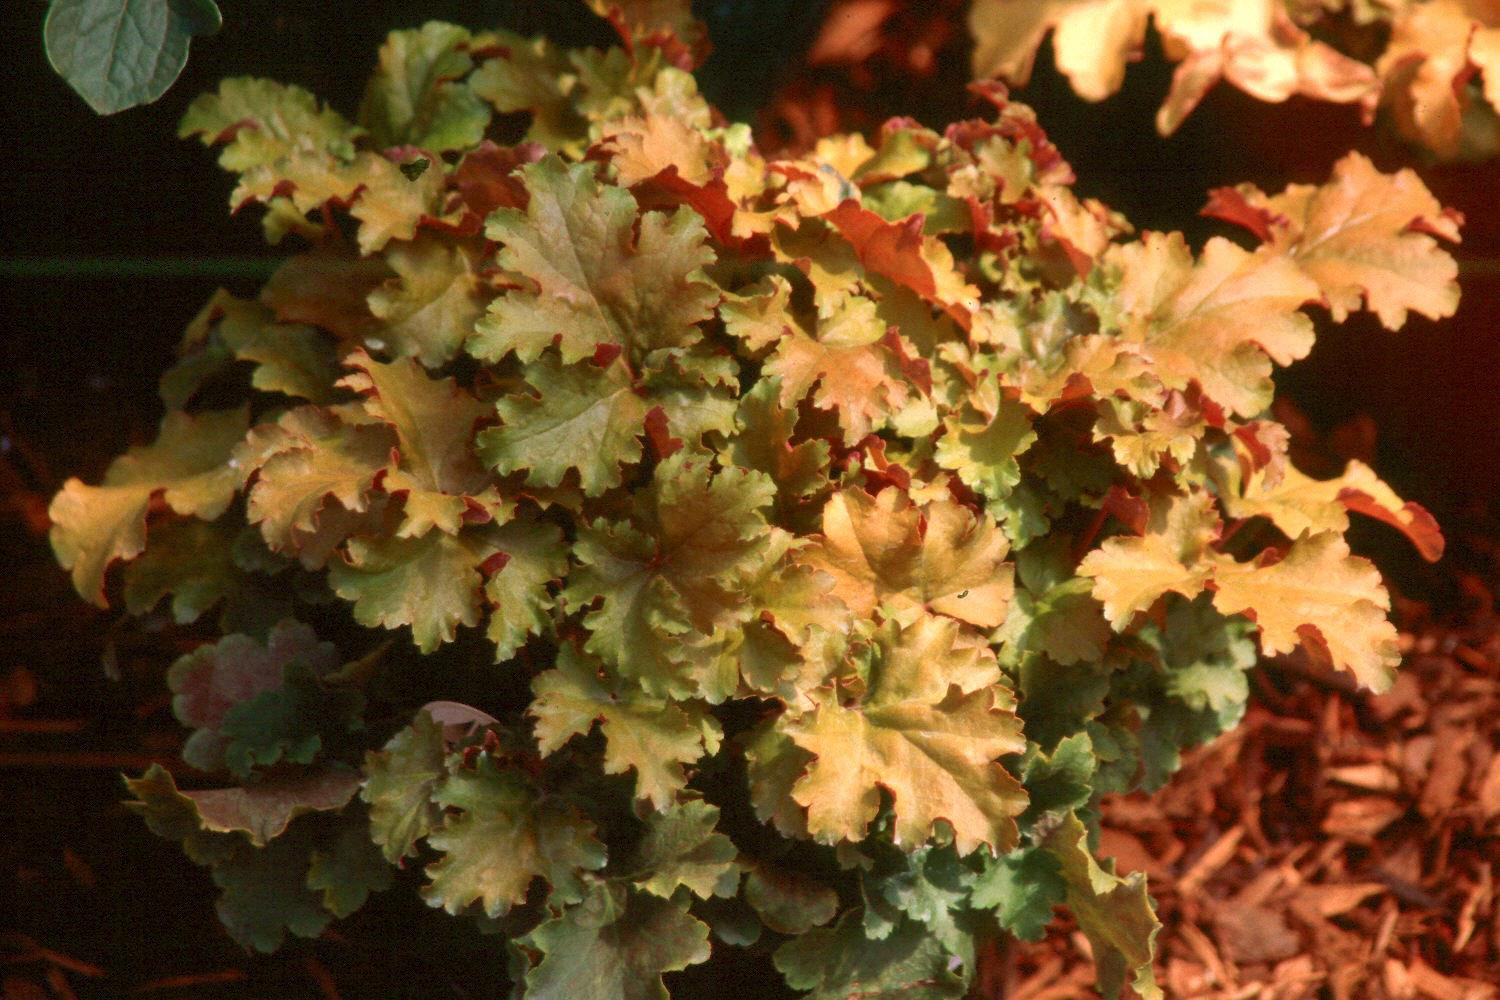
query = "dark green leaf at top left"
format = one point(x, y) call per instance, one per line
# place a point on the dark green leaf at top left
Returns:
point(120, 53)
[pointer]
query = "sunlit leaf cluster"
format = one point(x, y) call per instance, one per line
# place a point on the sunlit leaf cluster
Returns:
point(651, 549)
point(1432, 65)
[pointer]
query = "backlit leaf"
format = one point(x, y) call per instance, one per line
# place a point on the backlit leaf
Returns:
point(885, 549)
point(581, 418)
point(432, 583)
point(436, 469)
point(691, 543)
point(261, 121)
point(308, 458)
point(412, 100)
point(429, 309)
point(1113, 912)
point(651, 736)
point(1367, 238)
point(932, 746)
point(534, 555)
point(1219, 322)
point(1319, 588)
point(1130, 573)
point(187, 466)
point(596, 281)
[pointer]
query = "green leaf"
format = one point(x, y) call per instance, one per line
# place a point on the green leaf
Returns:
point(264, 891)
point(1058, 700)
point(597, 283)
point(765, 443)
point(774, 765)
point(535, 555)
point(349, 870)
point(264, 894)
point(731, 920)
point(413, 99)
point(210, 682)
point(120, 53)
point(931, 889)
point(501, 838)
point(683, 847)
point(187, 466)
point(1022, 887)
point(787, 901)
point(983, 448)
point(171, 815)
point(654, 737)
point(841, 963)
point(1066, 623)
point(1200, 689)
point(1061, 781)
point(193, 562)
point(289, 722)
point(431, 583)
point(623, 959)
point(1114, 913)
point(399, 783)
point(679, 565)
point(581, 418)
point(289, 358)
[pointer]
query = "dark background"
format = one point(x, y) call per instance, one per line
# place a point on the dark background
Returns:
point(115, 232)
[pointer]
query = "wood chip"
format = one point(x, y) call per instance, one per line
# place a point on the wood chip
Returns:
point(1370, 777)
point(1361, 819)
point(1336, 900)
point(1489, 791)
point(1130, 854)
point(1431, 983)
point(1398, 984)
point(1478, 901)
point(1253, 934)
point(1382, 939)
point(1210, 861)
point(1450, 766)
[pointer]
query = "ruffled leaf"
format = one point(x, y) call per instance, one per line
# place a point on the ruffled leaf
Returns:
point(187, 466)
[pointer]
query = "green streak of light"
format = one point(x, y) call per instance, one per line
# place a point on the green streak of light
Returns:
point(214, 268)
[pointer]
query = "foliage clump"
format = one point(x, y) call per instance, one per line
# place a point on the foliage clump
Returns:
point(1431, 66)
point(777, 554)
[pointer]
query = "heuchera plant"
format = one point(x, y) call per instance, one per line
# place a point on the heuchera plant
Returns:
point(776, 554)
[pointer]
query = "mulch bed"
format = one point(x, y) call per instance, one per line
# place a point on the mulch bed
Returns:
point(1336, 845)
